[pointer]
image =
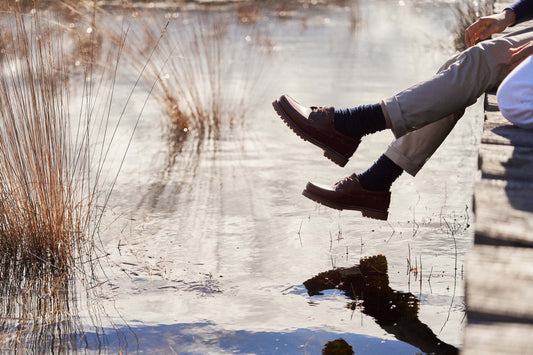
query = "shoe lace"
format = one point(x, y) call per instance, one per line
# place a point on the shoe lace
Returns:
point(318, 108)
point(348, 179)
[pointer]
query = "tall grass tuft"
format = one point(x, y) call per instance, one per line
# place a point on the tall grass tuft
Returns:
point(42, 214)
point(55, 137)
point(45, 202)
point(57, 132)
point(208, 67)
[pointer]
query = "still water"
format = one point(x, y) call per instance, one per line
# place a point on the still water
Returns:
point(209, 252)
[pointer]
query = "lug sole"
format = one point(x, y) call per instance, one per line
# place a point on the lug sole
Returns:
point(366, 212)
point(329, 152)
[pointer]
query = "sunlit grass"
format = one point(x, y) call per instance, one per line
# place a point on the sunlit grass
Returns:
point(58, 126)
point(42, 214)
point(208, 66)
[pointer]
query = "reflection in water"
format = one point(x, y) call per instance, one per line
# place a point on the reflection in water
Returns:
point(42, 309)
point(394, 311)
point(38, 309)
point(208, 68)
point(337, 347)
point(235, 212)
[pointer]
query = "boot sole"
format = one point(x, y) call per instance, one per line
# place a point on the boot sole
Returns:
point(366, 212)
point(329, 152)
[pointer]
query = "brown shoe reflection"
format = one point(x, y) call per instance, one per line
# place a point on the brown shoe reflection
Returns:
point(394, 311)
point(337, 347)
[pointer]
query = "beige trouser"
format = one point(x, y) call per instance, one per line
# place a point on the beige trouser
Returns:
point(423, 115)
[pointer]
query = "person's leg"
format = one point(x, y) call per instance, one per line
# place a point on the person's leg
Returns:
point(515, 95)
point(467, 76)
point(369, 192)
point(411, 151)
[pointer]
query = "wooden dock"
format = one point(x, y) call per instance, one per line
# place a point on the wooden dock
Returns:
point(499, 267)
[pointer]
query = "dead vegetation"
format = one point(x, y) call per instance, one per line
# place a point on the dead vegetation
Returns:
point(57, 127)
point(41, 217)
point(207, 67)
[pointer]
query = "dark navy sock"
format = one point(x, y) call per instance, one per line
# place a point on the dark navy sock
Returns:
point(381, 175)
point(359, 121)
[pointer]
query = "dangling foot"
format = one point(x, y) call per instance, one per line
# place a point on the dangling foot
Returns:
point(349, 194)
point(317, 125)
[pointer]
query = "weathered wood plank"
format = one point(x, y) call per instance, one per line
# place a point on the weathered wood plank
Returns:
point(499, 268)
point(497, 339)
point(497, 130)
point(506, 162)
point(503, 211)
point(491, 102)
point(499, 283)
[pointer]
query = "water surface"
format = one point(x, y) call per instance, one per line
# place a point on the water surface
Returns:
point(209, 251)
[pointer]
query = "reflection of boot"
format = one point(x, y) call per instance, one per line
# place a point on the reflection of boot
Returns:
point(396, 312)
point(372, 269)
point(337, 347)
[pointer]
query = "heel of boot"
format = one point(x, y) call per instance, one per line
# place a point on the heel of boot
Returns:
point(382, 215)
point(336, 157)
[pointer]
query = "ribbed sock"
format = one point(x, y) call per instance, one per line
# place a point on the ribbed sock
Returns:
point(359, 121)
point(381, 175)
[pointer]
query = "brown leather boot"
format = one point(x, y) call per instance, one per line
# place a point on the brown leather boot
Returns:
point(348, 194)
point(316, 125)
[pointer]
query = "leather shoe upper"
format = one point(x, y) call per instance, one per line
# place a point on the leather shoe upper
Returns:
point(350, 194)
point(317, 125)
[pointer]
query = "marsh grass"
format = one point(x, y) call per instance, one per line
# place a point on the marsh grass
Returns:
point(41, 217)
point(355, 14)
point(58, 129)
point(50, 159)
point(208, 67)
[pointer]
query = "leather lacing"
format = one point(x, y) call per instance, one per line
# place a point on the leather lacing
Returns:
point(349, 179)
point(318, 108)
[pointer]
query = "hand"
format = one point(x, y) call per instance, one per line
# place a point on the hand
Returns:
point(485, 26)
point(519, 54)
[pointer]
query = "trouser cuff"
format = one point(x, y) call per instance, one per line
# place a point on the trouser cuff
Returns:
point(395, 113)
point(403, 162)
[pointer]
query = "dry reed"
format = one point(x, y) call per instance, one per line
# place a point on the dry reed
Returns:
point(40, 214)
point(41, 205)
point(52, 149)
point(55, 140)
point(208, 68)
